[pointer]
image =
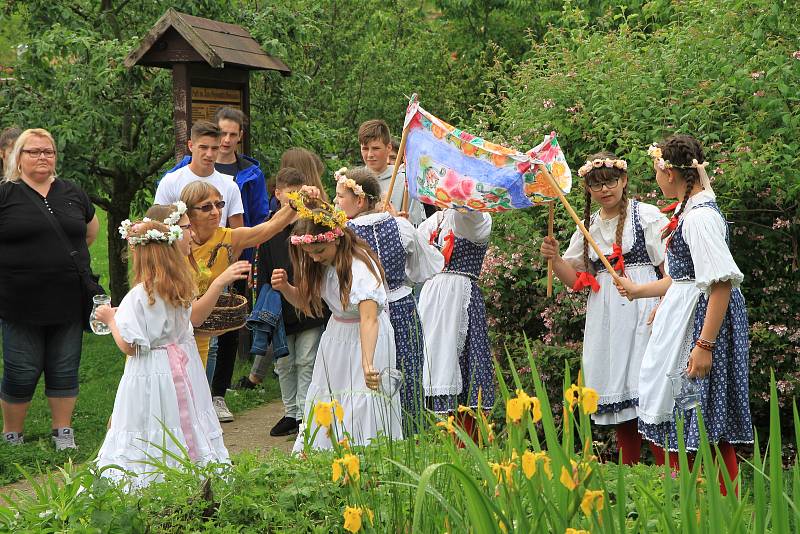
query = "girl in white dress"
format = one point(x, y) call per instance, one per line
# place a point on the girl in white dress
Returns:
point(616, 330)
point(332, 264)
point(407, 259)
point(701, 325)
point(163, 404)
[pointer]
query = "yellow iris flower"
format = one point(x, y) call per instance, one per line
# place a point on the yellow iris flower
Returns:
point(585, 397)
point(352, 518)
point(592, 500)
point(325, 411)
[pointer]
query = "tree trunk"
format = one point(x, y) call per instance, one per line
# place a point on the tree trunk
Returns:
point(117, 250)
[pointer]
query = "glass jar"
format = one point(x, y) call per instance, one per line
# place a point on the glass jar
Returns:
point(685, 390)
point(99, 328)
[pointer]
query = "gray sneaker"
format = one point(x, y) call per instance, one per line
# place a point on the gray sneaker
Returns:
point(13, 438)
point(63, 438)
point(223, 413)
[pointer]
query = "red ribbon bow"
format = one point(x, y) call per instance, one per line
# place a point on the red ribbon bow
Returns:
point(586, 280)
point(617, 255)
point(670, 229)
point(449, 243)
point(673, 224)
point(671, 207)
point(434, 236)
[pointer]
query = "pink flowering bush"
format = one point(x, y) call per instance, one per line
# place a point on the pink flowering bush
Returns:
point(728, 77)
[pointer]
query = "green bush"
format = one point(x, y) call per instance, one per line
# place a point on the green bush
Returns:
point(617, 82)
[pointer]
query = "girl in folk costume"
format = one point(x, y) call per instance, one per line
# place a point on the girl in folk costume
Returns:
point(407, 259)
point(701, 324)
point(616, 331)
point(332, 264)
point(458, 366)
point(163, 401)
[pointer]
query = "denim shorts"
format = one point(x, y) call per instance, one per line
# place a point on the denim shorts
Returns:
point(29, 350)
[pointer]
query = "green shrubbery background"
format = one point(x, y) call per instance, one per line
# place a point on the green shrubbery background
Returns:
point(613, 75)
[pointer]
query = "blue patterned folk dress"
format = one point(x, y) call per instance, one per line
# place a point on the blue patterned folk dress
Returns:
point(407, 259)
point(458, 362)
point(616, 330)
point(697, 257)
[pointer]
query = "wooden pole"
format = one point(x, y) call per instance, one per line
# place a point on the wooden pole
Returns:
point(578, 221)
point(550, 217)
point(400, 156)
point(406, 200)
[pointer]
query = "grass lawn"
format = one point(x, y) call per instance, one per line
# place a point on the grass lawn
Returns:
point(101, 368)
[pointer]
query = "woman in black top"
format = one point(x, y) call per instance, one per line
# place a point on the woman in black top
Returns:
point(40, 289)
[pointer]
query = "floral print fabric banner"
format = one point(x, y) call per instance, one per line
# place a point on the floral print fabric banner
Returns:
point(450, 168)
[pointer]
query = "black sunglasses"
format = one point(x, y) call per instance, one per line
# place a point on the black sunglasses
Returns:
point(219, 204)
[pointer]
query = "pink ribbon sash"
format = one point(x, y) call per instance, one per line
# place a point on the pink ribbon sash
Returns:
point(183, 388)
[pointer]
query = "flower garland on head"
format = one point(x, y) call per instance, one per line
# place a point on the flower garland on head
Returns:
point(151, 236)
point(342, 179)
point(326, 237)
point(180, 210)
point(587, 167)
point(328, 215)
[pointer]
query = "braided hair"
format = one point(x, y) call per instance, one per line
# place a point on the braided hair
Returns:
point(680, 150)
point(603, 174)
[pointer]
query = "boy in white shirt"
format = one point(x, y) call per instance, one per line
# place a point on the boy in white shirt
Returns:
point(204, 146)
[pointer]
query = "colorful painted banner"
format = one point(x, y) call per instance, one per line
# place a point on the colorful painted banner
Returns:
point(451, 168)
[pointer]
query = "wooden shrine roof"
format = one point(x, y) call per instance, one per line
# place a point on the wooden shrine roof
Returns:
point(181, 38)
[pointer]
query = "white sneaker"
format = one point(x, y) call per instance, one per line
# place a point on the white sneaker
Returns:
point(63, 438)
point(223, 413)
point(14, 438)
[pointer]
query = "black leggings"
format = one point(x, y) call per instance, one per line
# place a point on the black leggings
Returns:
point(227, 346)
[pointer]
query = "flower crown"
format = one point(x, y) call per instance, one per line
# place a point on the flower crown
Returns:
point(152, 235)
point(326, 237)
point(180, 210)
point(587, 167)
point(655, 152)
point(328, 215)
point(342, 179)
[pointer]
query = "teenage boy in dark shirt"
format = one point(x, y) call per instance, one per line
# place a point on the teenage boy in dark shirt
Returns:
point(302, 333)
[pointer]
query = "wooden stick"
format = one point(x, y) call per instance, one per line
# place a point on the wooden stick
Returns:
point(400, 156)
point(578, 221)
point(406, 199)
point(550, 217)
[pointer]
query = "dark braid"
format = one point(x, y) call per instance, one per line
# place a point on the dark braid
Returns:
point(623, 215)
point(680, 150)
point(587, 216)
point(604, 174)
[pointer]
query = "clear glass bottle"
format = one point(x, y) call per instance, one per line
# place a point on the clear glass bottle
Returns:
point(99, 328)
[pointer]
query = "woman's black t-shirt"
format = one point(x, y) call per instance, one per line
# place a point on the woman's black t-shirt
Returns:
point(39, 282)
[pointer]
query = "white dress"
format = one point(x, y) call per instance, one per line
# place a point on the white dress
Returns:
point(163, 391)
point(704, 231)
point(444, 309)
point(616, 332)
point(337, 370)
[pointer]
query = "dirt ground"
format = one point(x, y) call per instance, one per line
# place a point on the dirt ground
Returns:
point(248, 432)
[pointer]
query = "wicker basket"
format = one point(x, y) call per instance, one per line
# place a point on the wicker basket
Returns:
point(230, 313)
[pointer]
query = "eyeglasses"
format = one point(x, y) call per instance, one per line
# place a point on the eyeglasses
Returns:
point(36, 154)
point(598, 186)
point(219, 204)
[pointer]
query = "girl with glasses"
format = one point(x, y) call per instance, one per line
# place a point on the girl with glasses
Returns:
point(616, 331)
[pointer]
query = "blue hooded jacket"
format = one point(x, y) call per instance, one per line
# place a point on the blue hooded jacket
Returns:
point(253, 186)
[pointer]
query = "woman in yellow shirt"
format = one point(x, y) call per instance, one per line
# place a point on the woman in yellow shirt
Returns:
point(213, 247)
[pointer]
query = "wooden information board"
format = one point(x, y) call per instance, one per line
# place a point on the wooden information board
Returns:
point(207, 100)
